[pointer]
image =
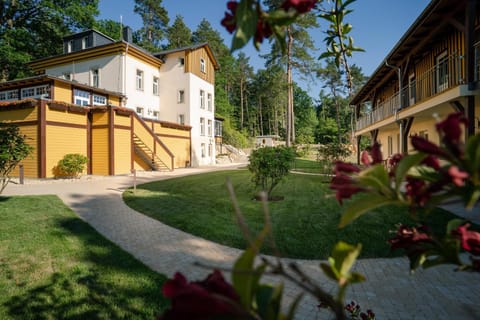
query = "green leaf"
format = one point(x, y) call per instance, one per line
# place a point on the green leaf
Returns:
point(454, 224)
point(293, 307)
point(246, 19)
point(359, 206)
point(472, 155)
point(405, 165)
point(268, 300)
point(328, 271)
point(345, 256)
point(244, 278)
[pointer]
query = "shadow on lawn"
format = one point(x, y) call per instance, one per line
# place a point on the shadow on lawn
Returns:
point(104, 283)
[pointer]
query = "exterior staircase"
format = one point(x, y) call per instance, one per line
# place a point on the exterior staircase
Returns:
point(148, 156)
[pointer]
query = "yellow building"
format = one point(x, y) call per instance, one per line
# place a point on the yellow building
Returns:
point(432, 71)
point(60, 116)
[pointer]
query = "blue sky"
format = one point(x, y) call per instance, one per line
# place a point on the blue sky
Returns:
point(377, 25)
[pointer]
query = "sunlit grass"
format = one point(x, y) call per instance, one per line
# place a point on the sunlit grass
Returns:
point(304, 223)
point(53, 265)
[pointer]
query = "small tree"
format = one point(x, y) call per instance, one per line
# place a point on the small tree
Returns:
point(270, 165)
point(71, 165)
point(13, 149)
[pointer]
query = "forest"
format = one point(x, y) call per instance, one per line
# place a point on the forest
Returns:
point(251, 102)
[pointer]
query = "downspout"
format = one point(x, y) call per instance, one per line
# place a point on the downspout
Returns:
point(124, 89)
point(400, 123)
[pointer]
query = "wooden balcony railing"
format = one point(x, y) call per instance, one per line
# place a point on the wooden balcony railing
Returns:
point(446, 74)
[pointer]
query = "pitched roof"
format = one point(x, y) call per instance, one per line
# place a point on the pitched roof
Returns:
point(162, 54)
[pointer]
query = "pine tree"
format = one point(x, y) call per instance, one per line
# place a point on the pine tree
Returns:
point(178, 34)
point(155, 21)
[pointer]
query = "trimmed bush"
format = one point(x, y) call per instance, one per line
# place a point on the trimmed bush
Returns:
point(71, 166)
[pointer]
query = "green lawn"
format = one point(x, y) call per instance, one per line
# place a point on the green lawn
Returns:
point(308, 166)
point(304, 224)
point(55, 266)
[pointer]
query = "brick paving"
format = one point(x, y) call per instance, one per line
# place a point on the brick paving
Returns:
point(392, 293)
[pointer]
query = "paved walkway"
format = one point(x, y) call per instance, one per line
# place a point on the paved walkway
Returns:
point(438, 293)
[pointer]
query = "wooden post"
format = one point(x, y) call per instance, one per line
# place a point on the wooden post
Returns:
point(134, 172)
point(21, 173)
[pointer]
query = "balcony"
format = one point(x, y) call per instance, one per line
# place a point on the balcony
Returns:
point(446, 74)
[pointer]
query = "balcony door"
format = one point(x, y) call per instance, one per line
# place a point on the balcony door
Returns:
point(442, 72)
point(412, 90)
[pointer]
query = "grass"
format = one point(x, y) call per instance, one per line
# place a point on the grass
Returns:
point(53, 265)
point(308, 166)
point(304, 224)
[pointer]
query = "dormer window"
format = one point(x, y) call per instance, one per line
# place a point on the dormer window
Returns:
point(70, 46)
point(85, 42)
point(202, 65)
point(95, 78)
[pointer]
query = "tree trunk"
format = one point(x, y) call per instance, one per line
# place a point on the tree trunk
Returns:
point(241, 103)
point(289, 113)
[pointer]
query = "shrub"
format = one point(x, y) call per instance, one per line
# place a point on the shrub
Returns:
point(332, 152)
point(13, 149)
point(270, 165)
point(71, 165)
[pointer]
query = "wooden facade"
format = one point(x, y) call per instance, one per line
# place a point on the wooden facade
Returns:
point(115, 140)
point(431, 72)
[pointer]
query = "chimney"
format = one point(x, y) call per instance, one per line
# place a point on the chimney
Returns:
point(127, 34)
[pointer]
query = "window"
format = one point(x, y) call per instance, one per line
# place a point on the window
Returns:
point(412, 89)
point(209, 102)
point(181, 118)
point(218, 128)
point(35, 92)
point(202, 65)
point(155, 86)
point(210, 149)
point(203, 150)
point(442, 72)
point(181, 96)
point(181, 61)
point(423, 134)
point(139, 111)
point(139, 80)
point(85, 42)
point(67, 76)
point(202, 99)
point(95, 81)
point(390, 145)
point(99, 100)
point(9, 95)
point(209, 128)
point(82, 98)
point(155, 114)
point(70, 46)
point(202, 126)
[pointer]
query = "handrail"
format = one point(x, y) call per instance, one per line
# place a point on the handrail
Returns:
point(155, 140)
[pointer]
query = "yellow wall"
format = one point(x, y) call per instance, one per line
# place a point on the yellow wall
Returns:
point(100, 118)
point(122, 120)
point(139, 164)
point(180, 148)
point(61, 141)
point(66, 116)
point(30, 164)
point(29, 114)
point(62, 92)
point(123, 152)
point(100, 151)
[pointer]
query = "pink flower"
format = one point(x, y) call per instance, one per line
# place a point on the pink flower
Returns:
point(470, 239)
point(416, 190)
point(301, 6)
point(423, 145)
point(212, 297)
point(432, 162)
point(229, 20)
point(343, 167)
point(451, 127)
point(263, 31)
point(345, 187)
point(414, 241)
point(376, 153)
point(458, 177)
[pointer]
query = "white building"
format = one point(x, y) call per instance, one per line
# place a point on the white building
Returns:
point(175, 86)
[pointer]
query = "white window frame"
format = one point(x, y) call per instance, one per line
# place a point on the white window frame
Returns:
point(181, 119)
point(181, 96)
point(156, 114)
point(441, 74)
point(99, 100)
point(209, 101)
point(140, 111)
point(81, 97)
point(210, 150)
point(202, 65)
point(42, 91)
point(70, 46)
point(95, 77)
point(9, 95)
point(139, 80)
point(155, 86)
point(202, 126)
point(209, 127)
point(218, 128)
point(202, 147)
point(85, 42)
point(202, 99)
